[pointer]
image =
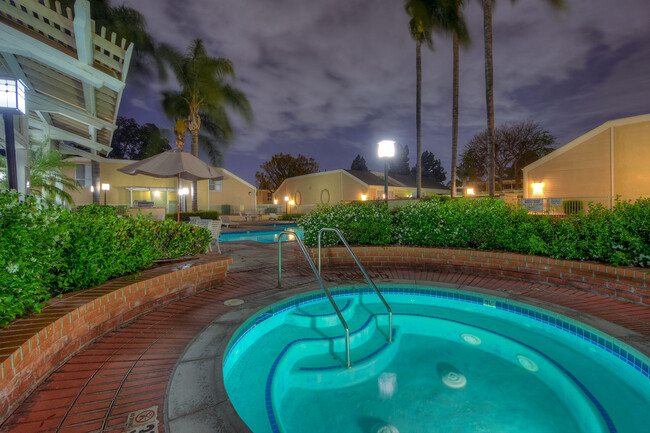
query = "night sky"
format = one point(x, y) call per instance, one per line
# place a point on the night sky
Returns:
point(330, 78)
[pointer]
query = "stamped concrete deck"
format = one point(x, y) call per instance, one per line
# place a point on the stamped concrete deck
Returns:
point(120, 382)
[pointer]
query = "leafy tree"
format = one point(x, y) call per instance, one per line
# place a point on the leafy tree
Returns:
point(205, 99)
point(516, 145)
point(133, 141)
point(432, 167)
point(489, 87)
point(46, 165)
point(281, 167)
point(427, 16)
point(359, 164)
point(399, 164)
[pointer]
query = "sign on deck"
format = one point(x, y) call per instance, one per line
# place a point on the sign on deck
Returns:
point(533, 204)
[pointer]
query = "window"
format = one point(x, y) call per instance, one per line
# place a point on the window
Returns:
point(269, 196)
point(83, 175)
point(215, 185)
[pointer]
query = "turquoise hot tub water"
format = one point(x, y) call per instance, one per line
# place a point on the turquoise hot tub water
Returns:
point(265, 236)
point(460, 362)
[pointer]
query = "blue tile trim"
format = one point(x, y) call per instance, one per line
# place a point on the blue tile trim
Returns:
point(333, 313)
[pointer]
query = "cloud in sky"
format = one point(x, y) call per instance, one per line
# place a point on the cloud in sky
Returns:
point(330, 78)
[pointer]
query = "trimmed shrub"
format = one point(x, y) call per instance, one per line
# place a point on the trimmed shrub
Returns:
point(45, 251)
point(620, 236)
point(203, 214)
point(361, 223)
point(290, 216)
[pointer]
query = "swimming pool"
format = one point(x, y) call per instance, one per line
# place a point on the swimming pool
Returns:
point(459, 362)
point(264, 236)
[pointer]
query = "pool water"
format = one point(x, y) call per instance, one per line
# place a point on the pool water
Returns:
point(265, 236)
point(459, 363)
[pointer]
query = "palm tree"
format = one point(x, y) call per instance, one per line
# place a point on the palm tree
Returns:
point(489, 82)
point(460, 35)
point(204, 99)
point(427, 16)
point(420, 27)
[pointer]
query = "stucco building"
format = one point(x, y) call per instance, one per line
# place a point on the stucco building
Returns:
point(609, 161)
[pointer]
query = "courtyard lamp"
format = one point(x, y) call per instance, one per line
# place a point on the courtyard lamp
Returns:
point(292, 203)
point(286, 204)
point(12, 102)
point(105, 187)
point(386, 149)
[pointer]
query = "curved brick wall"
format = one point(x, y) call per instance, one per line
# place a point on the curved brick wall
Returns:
point(31, 348)
point(625, 283)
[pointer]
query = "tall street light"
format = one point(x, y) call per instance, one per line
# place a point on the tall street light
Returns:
point(386, 149)
point(12, 102)
point(105, 187)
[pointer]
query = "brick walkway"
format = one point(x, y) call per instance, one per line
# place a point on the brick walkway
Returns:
point(128, 369)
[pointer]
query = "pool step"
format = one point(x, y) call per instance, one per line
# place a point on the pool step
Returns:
point(322, 315)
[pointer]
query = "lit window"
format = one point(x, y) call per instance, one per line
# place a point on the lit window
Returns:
point(215, 185)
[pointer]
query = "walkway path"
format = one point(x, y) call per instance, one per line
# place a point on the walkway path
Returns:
point(127, 370)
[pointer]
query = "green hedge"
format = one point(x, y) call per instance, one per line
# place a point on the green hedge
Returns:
point(204, 214)
point(45, 251)
point(620, 236)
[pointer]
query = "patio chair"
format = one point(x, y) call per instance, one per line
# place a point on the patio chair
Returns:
point(242, 217)
point(227, 222)
point(273, 216)
point(194, 218)
point(215, 230)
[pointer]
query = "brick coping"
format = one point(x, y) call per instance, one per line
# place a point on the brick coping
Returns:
point(32, 347)
point(629, 284)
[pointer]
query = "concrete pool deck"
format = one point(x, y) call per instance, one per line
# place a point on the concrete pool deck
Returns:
point(126, 373)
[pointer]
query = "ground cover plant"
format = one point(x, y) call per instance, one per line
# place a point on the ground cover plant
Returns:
point(203, 214)
point(48, 250)
point(620, 235)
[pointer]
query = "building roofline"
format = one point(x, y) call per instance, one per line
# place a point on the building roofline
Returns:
point(586, 136)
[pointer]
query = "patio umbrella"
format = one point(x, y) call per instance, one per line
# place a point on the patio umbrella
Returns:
point(174, 163)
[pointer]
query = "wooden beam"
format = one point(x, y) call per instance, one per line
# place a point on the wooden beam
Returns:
point(46, 104)
point(55, 133)
point(16, 42)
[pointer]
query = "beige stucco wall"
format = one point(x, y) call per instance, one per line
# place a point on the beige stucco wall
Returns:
point(311, 190)
point(632, 160)
point(235, 192)
point(583, 171)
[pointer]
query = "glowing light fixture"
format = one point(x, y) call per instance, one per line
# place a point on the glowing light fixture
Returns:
point(538, 188)
point(12, 102)
point(105, 187)
point(364, 197)
point(386, 149)
point(184, 191)
point(275, 201)
point(470, 191)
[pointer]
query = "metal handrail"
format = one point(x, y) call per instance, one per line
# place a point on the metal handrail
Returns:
point(363, 271)
point(320, 281)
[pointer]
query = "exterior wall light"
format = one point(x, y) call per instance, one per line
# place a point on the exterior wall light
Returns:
point(364, 197)
point(470, 191)
point(538, 188)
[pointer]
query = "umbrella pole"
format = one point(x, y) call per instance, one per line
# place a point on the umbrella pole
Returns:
point(178, 198)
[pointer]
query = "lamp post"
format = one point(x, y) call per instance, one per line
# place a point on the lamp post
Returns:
point(12, 102)
point(386, 149)
point(105, 187)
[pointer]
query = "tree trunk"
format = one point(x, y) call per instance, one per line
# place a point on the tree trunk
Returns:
point(96, 181)
point(195, 151)
point(454, 119)
point(194, 124)
point(418, 119)
point(489, 91)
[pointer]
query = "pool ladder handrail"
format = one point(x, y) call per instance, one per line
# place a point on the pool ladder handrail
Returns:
point(348, 363)
point(363, 271)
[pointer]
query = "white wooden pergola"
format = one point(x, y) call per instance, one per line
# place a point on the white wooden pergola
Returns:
point(75, 75)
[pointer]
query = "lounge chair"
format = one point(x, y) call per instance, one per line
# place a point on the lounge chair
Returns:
point(227, 222)
point(215, 230)
point(273, 216)
point(194, 218)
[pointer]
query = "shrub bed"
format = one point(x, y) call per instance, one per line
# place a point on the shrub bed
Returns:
point(45, 251)
point(620, 236)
